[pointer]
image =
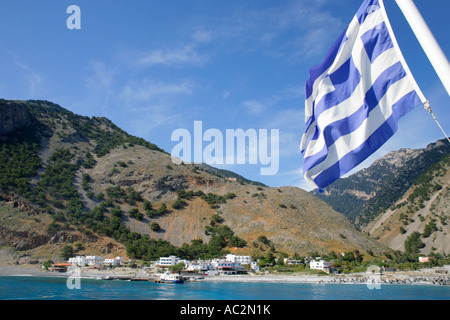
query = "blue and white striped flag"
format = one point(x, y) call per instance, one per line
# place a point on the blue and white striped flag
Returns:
point(355, 97)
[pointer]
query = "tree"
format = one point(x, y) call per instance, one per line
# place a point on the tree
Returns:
point(132, 196)
point(155, 227)
point(237, 242)
point(162, 209)
point(134, 213)
point(47, 264)
point(177, 268)
point(116, 212)
point(216, 219)
point(413, 243)
point(269, 259)
point(429, 229)
point(179, 204)
point(263, 239)
point(358, 256)
point(67, 252)
point(349, 256)
point(147, 205)
point(332, 256)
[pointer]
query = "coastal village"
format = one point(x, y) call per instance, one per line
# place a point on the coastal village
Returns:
point(173, 269)
point(228, 265)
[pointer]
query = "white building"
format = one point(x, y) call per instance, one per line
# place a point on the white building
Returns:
point(168, 261)
point(293, 262)
point(82, 261)
point(227, 267)
point(78, 261)
point(113, 261)
point(93, 260)
point(320, 265)
point(200, 266)
point(241, 259)
point(254, 266)
point(425, 259)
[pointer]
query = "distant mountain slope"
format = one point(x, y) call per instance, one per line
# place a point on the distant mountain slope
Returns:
point(228, 174)
point(424, 208)
point(81, 180)
point(365, 194)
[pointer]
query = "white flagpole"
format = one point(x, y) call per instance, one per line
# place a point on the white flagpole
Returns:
point(427, 41)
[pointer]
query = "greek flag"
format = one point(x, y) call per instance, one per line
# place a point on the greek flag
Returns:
point(355, 97)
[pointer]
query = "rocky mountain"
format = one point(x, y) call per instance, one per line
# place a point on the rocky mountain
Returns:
point(364, 195)
point(71, 180)
point(423, 209)
point(13, 117)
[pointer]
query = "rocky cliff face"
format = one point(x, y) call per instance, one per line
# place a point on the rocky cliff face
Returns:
point(424, 208)
point(363, 195)
point(13, 116)
point(362, 186)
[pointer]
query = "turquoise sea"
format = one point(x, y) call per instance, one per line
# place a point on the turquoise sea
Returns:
point(49, 288)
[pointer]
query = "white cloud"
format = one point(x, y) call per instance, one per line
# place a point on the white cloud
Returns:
point(186, 55)
point(293, 29)
point(254, 106)
point(226, 94)
point(203, 36)
point(102, 77)
point(32, 79)
point(147, 89)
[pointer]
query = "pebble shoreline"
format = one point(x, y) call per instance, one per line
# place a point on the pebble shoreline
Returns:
point(410, 278)
point(360, 279)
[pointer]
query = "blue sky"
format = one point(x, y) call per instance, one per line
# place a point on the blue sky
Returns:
point(155, 66)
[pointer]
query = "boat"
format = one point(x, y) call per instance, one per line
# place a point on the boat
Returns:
point(172, 278)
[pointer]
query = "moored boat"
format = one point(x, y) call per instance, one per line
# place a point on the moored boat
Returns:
point(172, 278)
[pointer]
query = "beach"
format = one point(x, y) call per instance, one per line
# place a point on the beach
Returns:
point(421, 277)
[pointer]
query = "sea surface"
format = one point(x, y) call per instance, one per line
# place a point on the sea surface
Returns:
point(54, 288)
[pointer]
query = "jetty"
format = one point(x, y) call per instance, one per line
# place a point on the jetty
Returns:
point(141, 275)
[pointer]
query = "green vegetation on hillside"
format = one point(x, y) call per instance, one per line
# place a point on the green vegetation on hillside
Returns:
point(424, 187)
point(19, 161)
point(56, 182)
point(417, 171)
point(422, 190)
point(212, 199)
point(55, 188)
point(99, 129)
point(382, 184)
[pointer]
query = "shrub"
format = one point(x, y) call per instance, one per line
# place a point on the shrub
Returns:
point(155, 227)
point(179, 204)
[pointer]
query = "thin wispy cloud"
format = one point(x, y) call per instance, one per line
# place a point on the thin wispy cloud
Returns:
point(141, 103)
point(185, 55)
point(147, 89)
point(203, 36)
point(296, 29)
point(101, 77)
point(32, 79)
point(254, 107)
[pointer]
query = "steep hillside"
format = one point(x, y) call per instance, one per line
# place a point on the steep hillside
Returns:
point(29, 235)
point(292, 219)
point(424, 208)
point(364, 195)
point(85, 182)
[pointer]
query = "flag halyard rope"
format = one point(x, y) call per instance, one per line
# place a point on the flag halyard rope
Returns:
point(427, 107)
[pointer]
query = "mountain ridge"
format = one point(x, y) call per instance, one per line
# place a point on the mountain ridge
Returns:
point(424, 208)
point(91, 179)
point(365, 194)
